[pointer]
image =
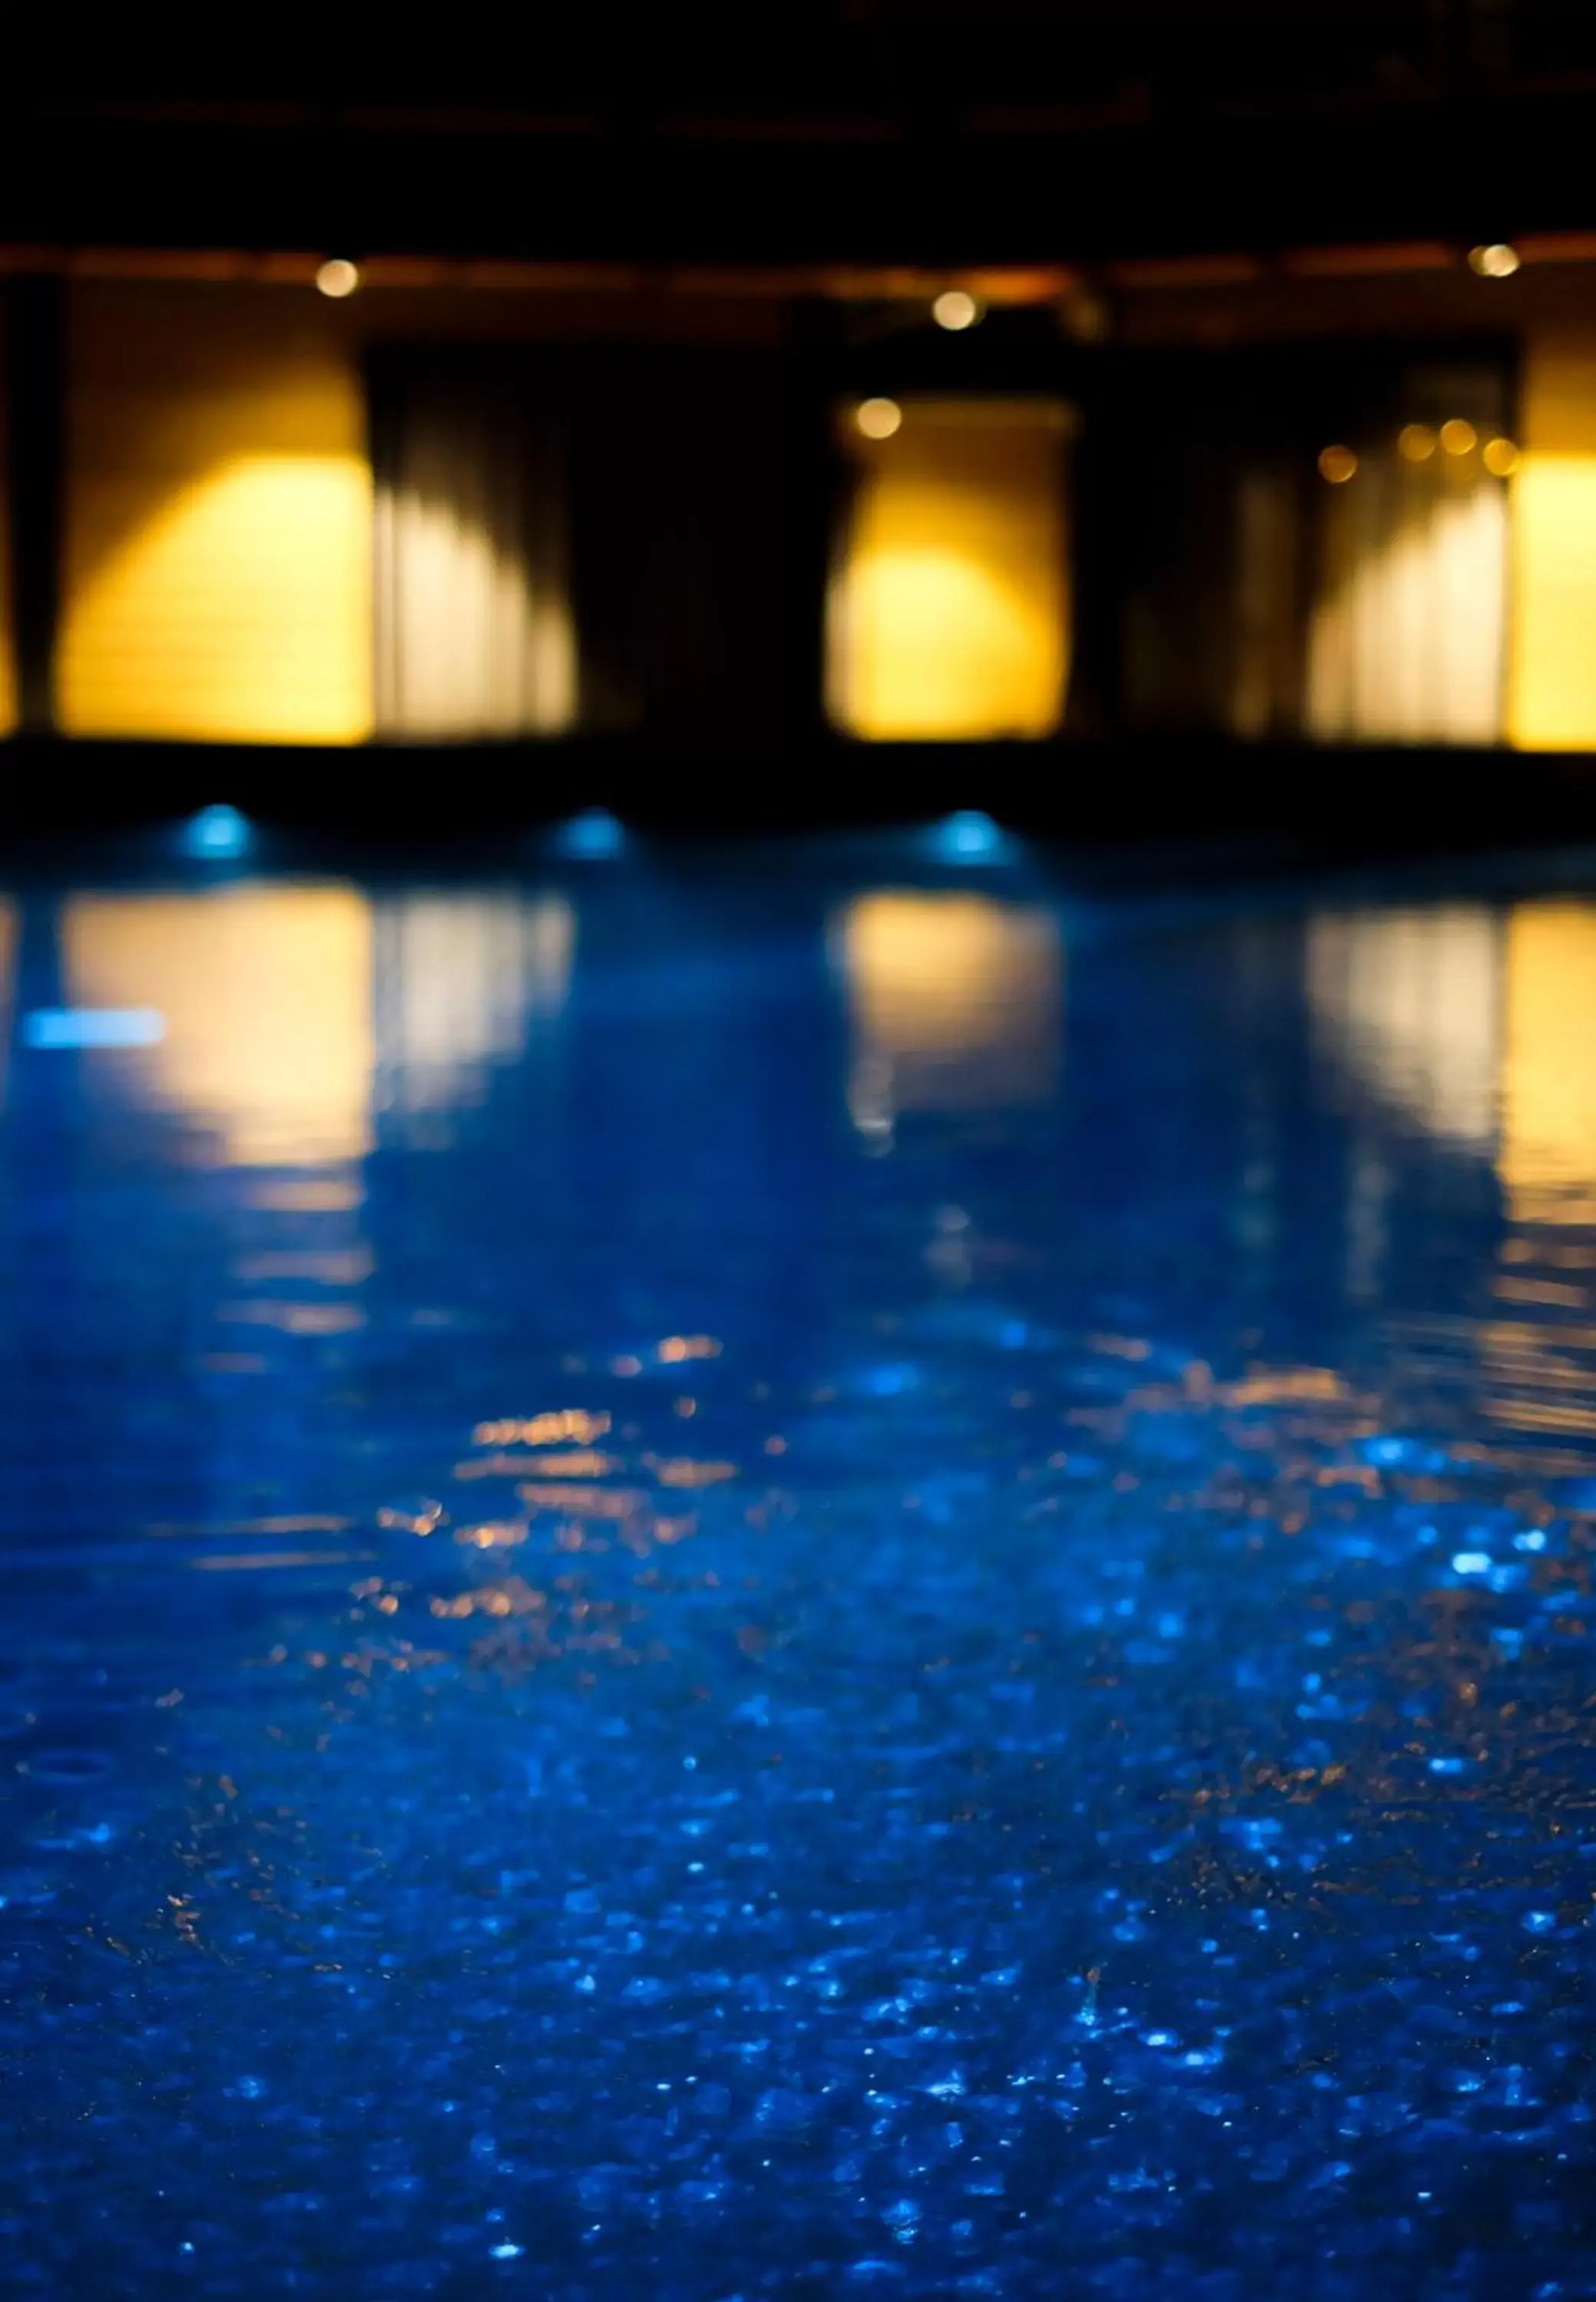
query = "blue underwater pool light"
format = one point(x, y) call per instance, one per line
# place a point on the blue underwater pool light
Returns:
point(216, 834)
point(968, 837)
point(594, 836)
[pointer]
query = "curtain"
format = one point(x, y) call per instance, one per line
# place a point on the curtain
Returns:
point(474, 628)
point(1258, 596)
point(1406, 629)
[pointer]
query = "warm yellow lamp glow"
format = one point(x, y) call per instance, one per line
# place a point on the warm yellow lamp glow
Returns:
point(1416, 443)
point(948, 615)
point(265, 994)
point(1548, 1157)
point(206, 624)
point(954, 1001)
point(1499, 457)
point(1337, 464)
point(1495, 261)
point(879, 419)
point(1457, 437)
point(955, 309)
point(218, 529)
point(338, 277)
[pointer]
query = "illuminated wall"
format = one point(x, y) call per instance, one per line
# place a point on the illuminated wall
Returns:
point(218, 517)
point(949, 612)
point(266, 996)
point(1553, 688)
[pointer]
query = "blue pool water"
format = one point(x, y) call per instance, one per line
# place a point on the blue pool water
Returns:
point(796, 1579)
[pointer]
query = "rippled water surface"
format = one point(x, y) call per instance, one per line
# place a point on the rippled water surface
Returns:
point(796, 1581)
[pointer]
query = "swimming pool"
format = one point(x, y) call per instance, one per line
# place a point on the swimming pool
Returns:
point(797, 1576)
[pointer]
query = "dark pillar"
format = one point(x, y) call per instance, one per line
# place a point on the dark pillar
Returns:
point(1099, 511)
point(34, 412)
point(816, 493)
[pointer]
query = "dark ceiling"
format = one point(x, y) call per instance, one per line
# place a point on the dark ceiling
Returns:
point(935, 131)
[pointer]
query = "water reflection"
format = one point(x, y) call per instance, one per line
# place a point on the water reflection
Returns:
point(1478, 1027)
point(265, 993)
point(279, 1013)
point(1065, 1745)
point(1539, 1343)
point(9, 930)
point(1409, 1003)
point(461, 980)
point(954, 1005)
point(1548, 1074)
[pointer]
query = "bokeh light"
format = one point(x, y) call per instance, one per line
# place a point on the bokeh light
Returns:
point(968, 835)
point(216, 833)
point(1494, 261)
point(1416, 443)
point(594, 836)
point(1501, 456)
point(1337, 463)
point(955, 309)
point(338, 277)
point(879, 419)
point(1458, 436)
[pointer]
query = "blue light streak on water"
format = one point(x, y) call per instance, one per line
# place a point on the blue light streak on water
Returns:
point(606, 1688)
point(92, 1026)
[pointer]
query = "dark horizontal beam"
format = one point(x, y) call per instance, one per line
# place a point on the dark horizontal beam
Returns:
point(1463, 169)
point(1329, 800)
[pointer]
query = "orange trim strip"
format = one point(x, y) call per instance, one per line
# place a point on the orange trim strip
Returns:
point(1369, 263)
point(1186, 272)
point(996, 284)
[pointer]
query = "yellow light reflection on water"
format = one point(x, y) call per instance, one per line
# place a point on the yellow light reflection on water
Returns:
point(1548, 1157)
point(955, 1001)
point(463, 981)
point(559, 1425)
point(1538, 1351)
point(265, 994)
point(1407, 1003)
